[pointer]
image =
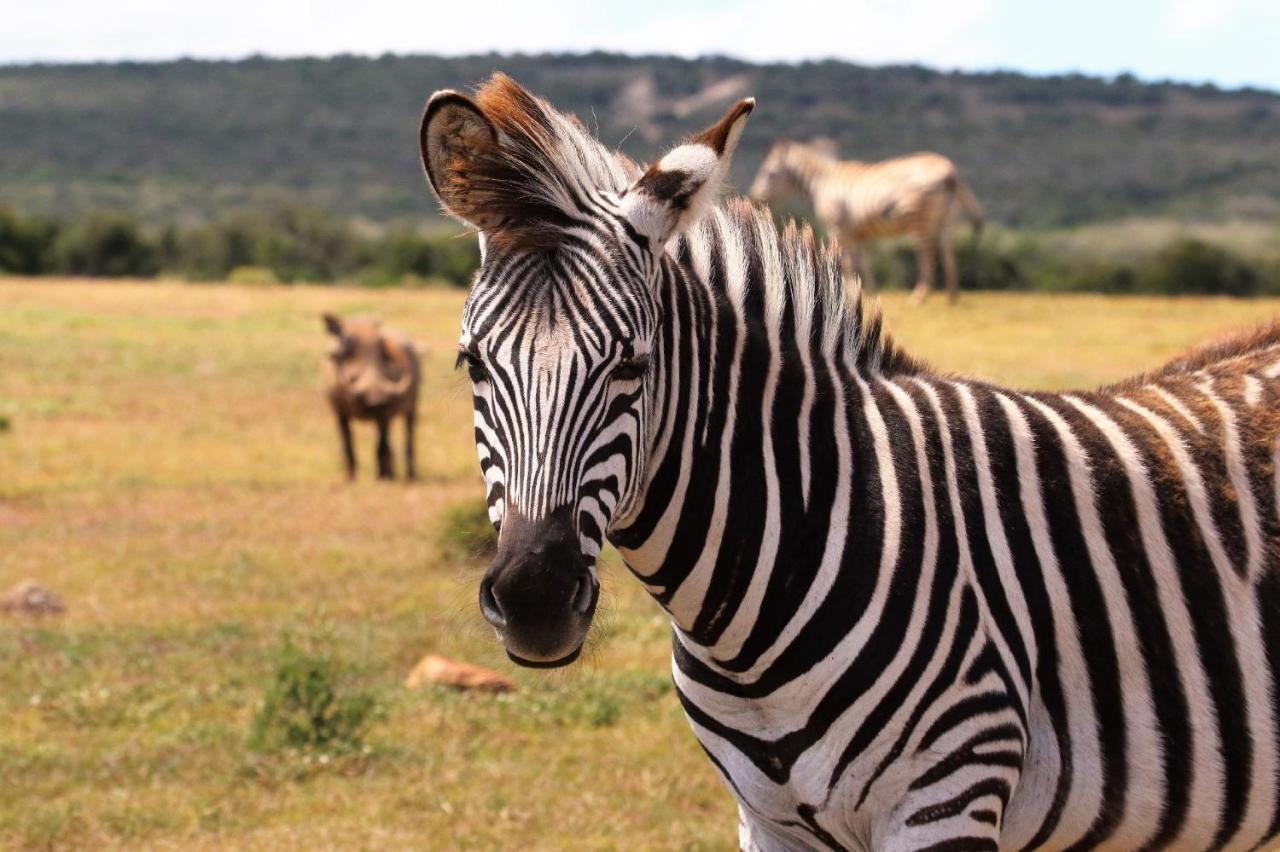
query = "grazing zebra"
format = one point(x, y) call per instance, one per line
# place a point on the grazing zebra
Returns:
point(909, 611)
point(857, 202)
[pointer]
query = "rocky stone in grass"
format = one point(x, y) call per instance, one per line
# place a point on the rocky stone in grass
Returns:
point(434, 668)
point(30, 598)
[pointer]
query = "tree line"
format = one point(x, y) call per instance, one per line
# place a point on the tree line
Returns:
point(293, 243)
point(282, 244)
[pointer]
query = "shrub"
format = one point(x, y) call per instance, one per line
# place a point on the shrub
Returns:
point(209, 252)
point(26, 243)
point(299, 243)
point(1194, 266)
point(405, 255)
point(454, 259)
point(984, 266)
point(307, 706)
point(108, 245)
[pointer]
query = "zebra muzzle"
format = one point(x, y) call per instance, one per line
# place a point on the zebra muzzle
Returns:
point(540, 594)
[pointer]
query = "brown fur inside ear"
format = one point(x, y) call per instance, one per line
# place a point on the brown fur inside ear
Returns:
point(455, 137)
point(509, 178)
point(518, 184)
point(716, 137)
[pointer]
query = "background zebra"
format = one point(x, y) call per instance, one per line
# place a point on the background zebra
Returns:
point(856, 202)
point(910, 611)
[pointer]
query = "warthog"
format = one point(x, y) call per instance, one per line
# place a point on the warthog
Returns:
point(374, 377)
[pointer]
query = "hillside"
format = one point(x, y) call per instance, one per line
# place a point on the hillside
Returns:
point(187, 140)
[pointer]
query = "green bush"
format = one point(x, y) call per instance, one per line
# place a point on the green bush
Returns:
point(406, 255)
point(109, 245)
point(209, 252)
point(982, 266)
point(26, 243)
point(455, 259)
point(300, 243)
point(307, 705)
point(1194, 266)
point(293, 243)
point(305, 244)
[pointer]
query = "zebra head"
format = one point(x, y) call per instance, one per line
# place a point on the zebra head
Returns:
point(785, 168)
point(560, 336)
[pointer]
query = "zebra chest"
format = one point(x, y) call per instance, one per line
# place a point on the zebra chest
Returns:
point(796, 785)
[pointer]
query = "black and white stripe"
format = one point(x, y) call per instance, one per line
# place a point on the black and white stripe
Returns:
point(910, 611)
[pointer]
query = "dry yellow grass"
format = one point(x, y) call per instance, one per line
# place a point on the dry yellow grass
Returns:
point(172, 471)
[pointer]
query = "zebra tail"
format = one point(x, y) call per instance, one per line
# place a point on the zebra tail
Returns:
point(972, 209)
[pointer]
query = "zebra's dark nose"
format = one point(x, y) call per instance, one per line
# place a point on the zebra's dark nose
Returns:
point(489, 604)
point(540, 593)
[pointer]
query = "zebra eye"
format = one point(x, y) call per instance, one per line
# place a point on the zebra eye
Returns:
point(631, 369)
point(475, 367)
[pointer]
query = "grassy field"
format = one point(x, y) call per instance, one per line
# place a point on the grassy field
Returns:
point(171, 470)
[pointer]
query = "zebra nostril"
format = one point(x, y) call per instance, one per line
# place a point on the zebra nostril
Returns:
point(582, 595)
point(489, 604)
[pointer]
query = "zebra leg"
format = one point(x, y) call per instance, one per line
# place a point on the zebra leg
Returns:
point(868, 269)
point(856, 261)
point(924, 269)
point(848, 264)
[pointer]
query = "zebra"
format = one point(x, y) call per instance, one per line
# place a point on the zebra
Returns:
point(858, 202)
point(909, 610)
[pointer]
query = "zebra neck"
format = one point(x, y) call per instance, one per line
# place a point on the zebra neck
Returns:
point(810, 171)
point(758, 456)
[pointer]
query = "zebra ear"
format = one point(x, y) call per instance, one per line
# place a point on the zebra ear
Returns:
point(452, 139)
point(671, 196)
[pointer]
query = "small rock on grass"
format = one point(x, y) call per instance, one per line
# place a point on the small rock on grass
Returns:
point(434, 668)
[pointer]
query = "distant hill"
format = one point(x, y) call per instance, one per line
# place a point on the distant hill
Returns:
point(187, 140)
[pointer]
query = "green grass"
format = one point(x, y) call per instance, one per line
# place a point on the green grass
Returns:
point(173, 473)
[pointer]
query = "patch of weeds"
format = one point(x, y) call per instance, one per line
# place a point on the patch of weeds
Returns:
point(53, 826)
point(133, 823)
point(294, 765)
point(598, 702)
point(310, 705)
point(466, 533)
point(5, 423)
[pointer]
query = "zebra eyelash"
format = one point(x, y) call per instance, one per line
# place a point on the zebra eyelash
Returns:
point(631, 369)
point(473, 364)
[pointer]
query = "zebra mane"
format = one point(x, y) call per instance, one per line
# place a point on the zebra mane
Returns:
point(534, 181)
point(1260, 343)
point(791, 279)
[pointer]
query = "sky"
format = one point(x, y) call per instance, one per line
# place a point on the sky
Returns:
point(1227, 42)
